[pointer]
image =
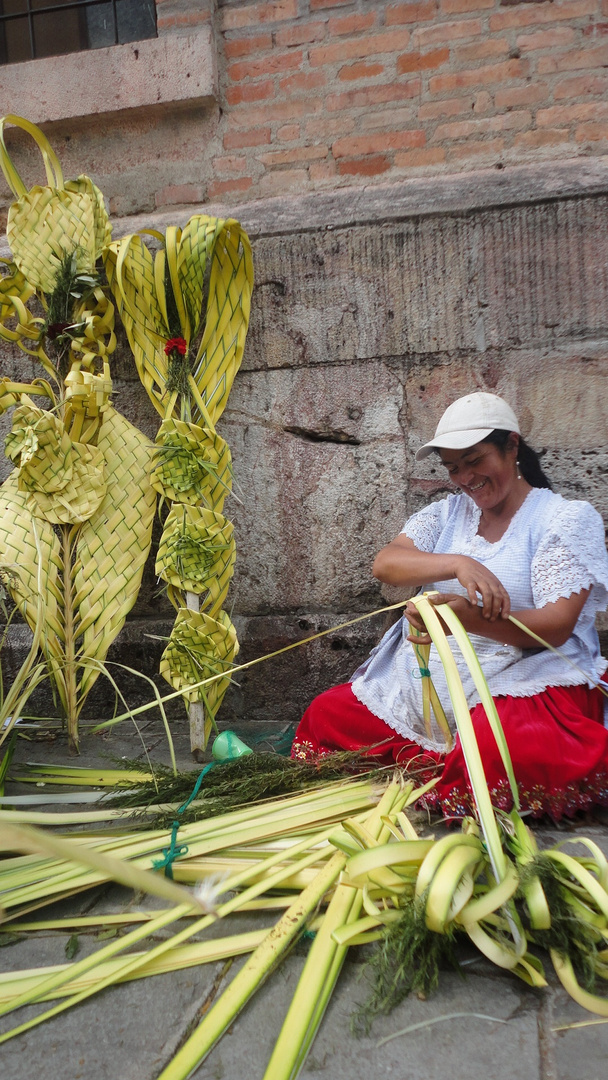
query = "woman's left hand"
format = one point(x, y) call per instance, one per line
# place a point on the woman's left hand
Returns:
point(458, 603)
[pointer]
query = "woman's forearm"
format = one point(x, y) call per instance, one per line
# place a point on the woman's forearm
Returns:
point(554, 623)
point(396, 565)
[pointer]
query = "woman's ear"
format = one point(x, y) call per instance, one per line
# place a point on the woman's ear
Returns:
point(513, 443)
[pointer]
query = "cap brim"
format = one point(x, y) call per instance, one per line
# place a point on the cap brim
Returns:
point(453, 440)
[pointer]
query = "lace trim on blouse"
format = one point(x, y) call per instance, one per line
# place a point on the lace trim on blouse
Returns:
point(571, 557)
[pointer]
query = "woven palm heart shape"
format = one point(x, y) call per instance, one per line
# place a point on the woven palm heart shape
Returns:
point(76, 513)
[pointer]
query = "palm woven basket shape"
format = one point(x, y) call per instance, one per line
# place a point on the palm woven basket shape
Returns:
point(76, 513)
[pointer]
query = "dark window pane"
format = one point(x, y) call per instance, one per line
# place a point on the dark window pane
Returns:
point(15, 41)
point(136, 19)
point(56, 33)
point(100, 24)
point(12, 7)
point(84, 24)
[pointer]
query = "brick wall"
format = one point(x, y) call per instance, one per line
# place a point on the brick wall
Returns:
point(324, 93)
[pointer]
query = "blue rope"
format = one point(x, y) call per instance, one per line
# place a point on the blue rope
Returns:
point(173, 852)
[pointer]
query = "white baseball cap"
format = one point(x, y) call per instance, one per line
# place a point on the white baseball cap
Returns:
point(470, 420)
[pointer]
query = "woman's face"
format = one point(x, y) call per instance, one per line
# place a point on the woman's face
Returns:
point(484, 472)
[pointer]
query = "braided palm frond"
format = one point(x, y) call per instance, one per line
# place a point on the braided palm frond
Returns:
point(46, 225)
point(103, 228)
point(193, 248)
point(196, 553)
point(221, 349)
point(198, 648)
point(130, 268)
point(12, 284)
point(93, 575)
point(114, 543)
point(18, 532)
point(192, 464)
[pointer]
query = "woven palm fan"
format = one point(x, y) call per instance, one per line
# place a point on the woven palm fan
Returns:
point(187, 369)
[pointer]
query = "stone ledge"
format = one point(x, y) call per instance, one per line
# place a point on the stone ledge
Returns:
point(456, 193)
point(158, 71)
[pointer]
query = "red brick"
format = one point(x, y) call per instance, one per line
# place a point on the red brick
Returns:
point(322, 170)
point(300, 34)
point(229, 164)
point(282, 111)
point(463, 129)
point(278, 181)
point(492, 73)
point(574, 61)
point(180, 193)
point(302, 80)
point(547, 39)
point(530, 94)
point(372, 95)
point(535, 140)
point(595, 30)
point(592, 133)
point(327, 127)
point(483, 102)
point(410, 13)
point(235, 18)
point(249, 92)
point(270, 65)
point(234, 140)
point(360, 71)
point(369, 45)
point(572, 114)
point(357, 145)
point(288, 132)
point(416, 61)
point(385, 118)
point(459, 7)
point(530, 14)
point(481, 50)
point(368, 166)
point(246, 45)
point(351, 24)
point(432, 110)
point(580, 86)
point(413, 159)
point(318, 5)
point(446, 33)
point(297, 154)
point(225, 187)
point(488, 148)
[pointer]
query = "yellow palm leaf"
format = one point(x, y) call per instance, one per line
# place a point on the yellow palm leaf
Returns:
point(93, 572)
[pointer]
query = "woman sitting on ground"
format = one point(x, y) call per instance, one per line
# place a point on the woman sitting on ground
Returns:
point(506, 543)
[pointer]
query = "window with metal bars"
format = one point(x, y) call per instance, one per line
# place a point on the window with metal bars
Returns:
point(30, 29)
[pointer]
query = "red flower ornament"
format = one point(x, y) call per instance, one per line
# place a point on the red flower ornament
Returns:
point(177, 343)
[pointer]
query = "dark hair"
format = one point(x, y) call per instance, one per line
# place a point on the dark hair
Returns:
point(527, 458)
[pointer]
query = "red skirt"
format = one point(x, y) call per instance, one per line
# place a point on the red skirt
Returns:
point(557, 741)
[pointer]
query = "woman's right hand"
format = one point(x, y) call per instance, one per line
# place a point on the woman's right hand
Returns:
point(479, 581)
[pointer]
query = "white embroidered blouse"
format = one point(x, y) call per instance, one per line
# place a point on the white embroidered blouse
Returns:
point(553, 547)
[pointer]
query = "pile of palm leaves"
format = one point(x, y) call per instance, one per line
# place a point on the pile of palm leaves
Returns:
point(344, 859)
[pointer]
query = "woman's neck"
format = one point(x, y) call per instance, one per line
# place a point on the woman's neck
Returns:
point(494, 521)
